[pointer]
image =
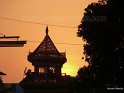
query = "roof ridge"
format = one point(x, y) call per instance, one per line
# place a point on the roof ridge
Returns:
point(46, 47)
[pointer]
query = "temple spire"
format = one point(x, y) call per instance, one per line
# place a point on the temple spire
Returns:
point(46, 55)
point(47, 30)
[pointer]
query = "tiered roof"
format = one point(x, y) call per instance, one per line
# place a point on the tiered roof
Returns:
point(46, 50)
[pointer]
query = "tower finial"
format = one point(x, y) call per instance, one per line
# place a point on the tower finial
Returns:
point(47, 30)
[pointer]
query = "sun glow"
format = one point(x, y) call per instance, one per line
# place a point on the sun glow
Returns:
point(69, 70)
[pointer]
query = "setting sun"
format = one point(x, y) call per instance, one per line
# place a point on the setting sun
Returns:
point(69, 70)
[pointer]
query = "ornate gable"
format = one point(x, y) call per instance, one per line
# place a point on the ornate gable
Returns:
point(46, 47)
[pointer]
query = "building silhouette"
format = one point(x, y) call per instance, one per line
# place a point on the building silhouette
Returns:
point(47, 76)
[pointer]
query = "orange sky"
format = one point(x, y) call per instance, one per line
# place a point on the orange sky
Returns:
point(59, 12)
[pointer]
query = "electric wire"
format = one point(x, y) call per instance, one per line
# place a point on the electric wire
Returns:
point(41, 24)
point(11, 19)
point(57, 43)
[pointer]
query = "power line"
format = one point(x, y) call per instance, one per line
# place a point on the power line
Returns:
point(41, 24)
point(11, 19)
point(40, 41)
point(69, 43)
point(55, 43)
point(58, 43)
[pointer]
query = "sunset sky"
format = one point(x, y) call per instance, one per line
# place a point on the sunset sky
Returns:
point(13, 60)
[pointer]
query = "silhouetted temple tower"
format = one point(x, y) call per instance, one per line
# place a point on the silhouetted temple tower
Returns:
point(47, 58)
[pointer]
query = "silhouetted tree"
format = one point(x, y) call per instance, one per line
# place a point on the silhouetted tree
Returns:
point(101, 29)
point(85, 80)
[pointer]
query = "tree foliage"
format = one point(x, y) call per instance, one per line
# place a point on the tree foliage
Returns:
point(101, 29)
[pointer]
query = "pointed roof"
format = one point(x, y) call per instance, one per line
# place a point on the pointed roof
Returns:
point(46, 47)
point(46, 50)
